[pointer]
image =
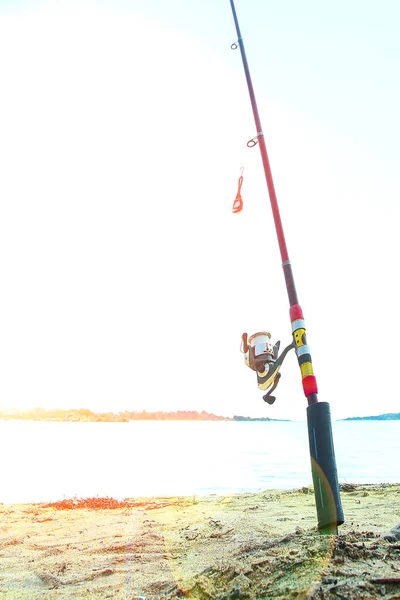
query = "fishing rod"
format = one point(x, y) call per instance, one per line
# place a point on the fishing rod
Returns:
point(264, 358)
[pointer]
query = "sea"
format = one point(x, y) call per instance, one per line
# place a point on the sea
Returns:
point(49, 461)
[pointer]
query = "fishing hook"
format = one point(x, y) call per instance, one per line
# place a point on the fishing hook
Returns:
point(235, 44)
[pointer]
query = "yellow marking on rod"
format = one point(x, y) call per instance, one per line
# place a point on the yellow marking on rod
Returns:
point(298, 337)
point(306, 369)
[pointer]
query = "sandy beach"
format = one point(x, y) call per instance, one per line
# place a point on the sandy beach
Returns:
point(252, 546)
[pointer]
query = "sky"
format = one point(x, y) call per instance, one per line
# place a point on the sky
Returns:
point(126, 280)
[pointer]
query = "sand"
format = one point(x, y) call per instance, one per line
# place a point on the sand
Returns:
point(252, 546)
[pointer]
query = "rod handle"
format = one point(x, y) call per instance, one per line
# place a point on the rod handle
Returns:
point(323, 467)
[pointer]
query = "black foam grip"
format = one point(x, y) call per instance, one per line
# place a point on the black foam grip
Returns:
point(323, 466)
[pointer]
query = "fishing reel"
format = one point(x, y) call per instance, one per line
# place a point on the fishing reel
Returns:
point(261, 356)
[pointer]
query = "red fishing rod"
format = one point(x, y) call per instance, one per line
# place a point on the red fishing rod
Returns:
point(263, 358)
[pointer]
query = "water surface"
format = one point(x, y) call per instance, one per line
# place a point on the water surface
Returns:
point(48, 461)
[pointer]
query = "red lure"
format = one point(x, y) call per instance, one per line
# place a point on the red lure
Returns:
point(238, 203)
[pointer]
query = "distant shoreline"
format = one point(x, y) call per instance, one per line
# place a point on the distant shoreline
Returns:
point(74, 415)
point(384, 417)
point(85, 415)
